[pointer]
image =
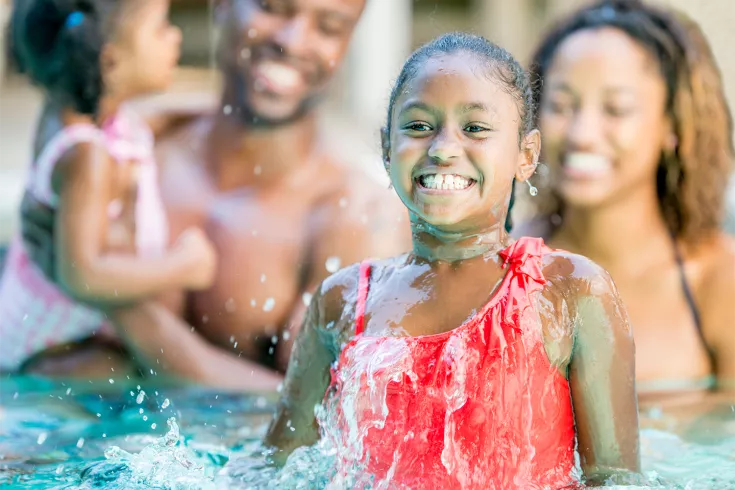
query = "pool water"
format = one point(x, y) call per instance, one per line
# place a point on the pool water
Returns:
point(64, 435)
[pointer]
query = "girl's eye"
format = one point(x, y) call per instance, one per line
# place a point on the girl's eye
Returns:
point(474, 128)
point(418, 127)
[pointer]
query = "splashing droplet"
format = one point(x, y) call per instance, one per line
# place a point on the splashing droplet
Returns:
point(112, 381)
point(286, 335)
point(42, 438)
point(227, 110)
point(140, 397)
point(80, 442)
point(306, 298)
point(230, 306)
point(252, 33)
point(333, 264)
point(68, 391)
point(153, 425)
point(269, 304)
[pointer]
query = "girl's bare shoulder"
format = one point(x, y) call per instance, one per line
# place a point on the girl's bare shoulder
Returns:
point(573, 276)
point(338, 294)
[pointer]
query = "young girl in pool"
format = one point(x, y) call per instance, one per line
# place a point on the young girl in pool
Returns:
point(475, 361)
point(94, 165)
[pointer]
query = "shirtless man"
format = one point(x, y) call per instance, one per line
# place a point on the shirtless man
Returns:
point(259, 178)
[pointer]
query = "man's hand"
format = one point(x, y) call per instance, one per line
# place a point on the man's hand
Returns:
point(37, 231)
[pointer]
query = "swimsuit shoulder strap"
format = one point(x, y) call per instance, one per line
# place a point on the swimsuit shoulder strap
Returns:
point(688, 295)
point(363, 286)
point(40, 181)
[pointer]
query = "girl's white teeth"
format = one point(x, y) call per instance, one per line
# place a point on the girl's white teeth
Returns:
point(445, 182)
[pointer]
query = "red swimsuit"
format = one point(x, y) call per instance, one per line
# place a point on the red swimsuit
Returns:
point(478, 407)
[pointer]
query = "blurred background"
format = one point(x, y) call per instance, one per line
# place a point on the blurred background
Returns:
point(389, 31)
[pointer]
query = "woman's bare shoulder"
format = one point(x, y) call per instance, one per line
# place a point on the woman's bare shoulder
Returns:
point(716, 293)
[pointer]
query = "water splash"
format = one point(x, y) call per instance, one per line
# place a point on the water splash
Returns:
point(167, 463)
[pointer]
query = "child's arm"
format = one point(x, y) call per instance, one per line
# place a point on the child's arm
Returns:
point(83, 267)
point(602, 381)
point(306, 383)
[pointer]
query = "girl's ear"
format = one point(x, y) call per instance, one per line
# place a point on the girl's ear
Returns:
point(529, 155)
point(385, 146)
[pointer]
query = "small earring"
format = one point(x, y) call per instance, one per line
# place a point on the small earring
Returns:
point(531, 189)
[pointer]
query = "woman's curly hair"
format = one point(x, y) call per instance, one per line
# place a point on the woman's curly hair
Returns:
point(692, 180)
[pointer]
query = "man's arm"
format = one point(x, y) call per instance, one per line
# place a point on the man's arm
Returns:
point(161, 341)
point(372, 224)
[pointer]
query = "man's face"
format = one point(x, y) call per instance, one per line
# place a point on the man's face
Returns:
point(278, 55)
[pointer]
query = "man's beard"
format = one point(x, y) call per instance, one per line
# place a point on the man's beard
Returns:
point(245, 113)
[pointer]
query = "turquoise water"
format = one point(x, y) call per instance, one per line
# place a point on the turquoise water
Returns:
point(56, 435)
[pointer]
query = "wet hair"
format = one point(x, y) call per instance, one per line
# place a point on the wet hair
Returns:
point(501, 66)
point(58, 44)
point(691, 180)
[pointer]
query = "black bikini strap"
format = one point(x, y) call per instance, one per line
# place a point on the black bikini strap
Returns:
point(689, 296)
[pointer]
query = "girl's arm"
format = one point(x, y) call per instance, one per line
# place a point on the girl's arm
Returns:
point(306, 383)
point(83, 267)
point(602, 381)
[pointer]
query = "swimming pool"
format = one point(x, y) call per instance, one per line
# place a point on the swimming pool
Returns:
point(64, 435)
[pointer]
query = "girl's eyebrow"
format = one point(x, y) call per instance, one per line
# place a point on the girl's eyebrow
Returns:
point(475, 106)
point(416, 104)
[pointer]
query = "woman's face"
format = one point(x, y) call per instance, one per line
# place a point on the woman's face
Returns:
point(603, 117)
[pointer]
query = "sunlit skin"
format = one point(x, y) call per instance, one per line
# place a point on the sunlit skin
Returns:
point(260, 178)
point(604, 95)
point(453, 119)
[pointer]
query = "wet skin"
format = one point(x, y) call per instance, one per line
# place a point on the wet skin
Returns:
point(452, 120)
point(275, 212)
point(604, 96)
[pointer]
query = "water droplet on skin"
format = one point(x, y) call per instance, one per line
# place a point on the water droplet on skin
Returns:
point(262, 278)
point(42, 438)
point(230, 305)
point(332, 264)
point(269, 304)
point(232, 339)
point(80, 442)
point(252, 303)
point(286, 335)
point(343, 203)
point(227, 110)
point(141, 396)
point(258, 170)
point(274, 340)
point(306, 298)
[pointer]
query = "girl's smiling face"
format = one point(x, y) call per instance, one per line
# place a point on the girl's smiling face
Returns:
point(455, 144)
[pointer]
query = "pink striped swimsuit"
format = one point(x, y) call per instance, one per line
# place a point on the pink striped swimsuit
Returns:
point(34, 314)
